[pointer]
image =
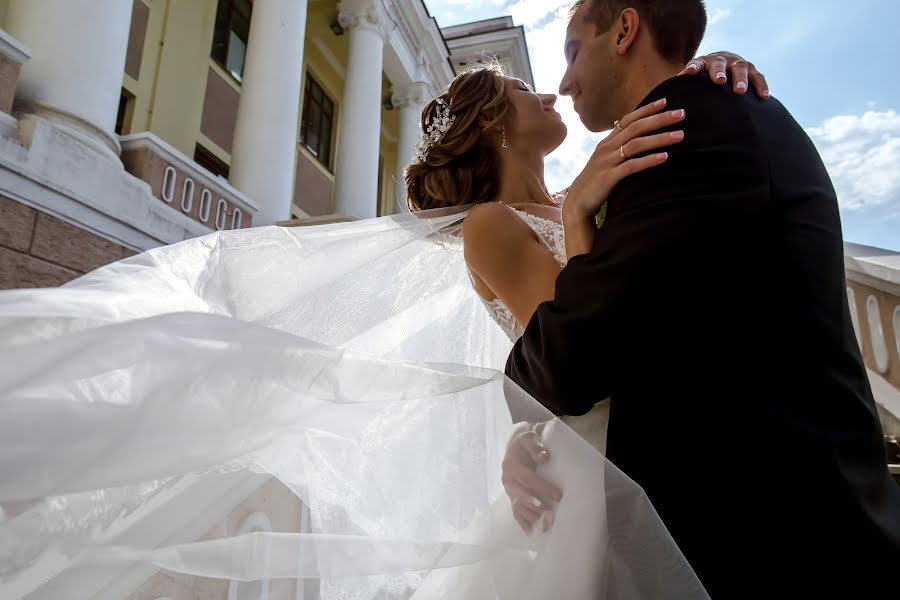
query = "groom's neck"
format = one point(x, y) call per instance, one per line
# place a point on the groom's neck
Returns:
point(643, 77)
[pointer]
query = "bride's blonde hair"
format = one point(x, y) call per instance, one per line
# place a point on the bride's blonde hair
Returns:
point(462, 168)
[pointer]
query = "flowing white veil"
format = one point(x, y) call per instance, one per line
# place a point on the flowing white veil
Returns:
point(353, 367)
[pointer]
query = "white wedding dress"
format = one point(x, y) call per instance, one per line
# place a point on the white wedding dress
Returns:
point(591, 426)
point(355, 364)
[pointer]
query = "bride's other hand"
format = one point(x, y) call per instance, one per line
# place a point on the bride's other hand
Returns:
point(720, 64)
point(529, 494)
point(624, 152)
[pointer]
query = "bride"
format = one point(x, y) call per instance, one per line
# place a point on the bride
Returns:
point(354, 365)
point(489, 137)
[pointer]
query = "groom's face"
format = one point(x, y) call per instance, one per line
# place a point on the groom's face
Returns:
point(591, 76)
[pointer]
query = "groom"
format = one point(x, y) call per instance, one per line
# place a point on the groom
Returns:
point(712, 308)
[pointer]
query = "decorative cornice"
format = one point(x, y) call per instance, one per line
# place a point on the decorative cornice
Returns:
point(505, 43)
point(422, 43)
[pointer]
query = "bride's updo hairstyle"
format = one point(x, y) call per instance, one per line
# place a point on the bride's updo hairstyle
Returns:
point(463, 167)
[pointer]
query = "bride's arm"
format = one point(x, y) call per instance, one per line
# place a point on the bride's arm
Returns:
point(505, 254)
point(579, 232)
point(579, 227)
point(624, 152)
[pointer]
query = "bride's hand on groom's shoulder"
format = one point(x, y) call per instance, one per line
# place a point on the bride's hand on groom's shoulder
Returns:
point(627, 150)
point(529, 494)
point(720, 65)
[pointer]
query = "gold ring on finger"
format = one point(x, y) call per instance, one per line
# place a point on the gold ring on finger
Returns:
point(618, 126)
point(622, 152)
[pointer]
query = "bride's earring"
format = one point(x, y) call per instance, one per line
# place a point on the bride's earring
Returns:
point(504, 143)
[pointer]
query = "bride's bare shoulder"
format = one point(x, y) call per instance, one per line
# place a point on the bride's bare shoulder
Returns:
point(492, 220)
point(493, 229)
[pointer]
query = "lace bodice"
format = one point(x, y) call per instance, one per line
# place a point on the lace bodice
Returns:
point(551, 235)
point(592, 425)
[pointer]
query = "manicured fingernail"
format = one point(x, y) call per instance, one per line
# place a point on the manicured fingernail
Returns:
point(677, 135)
point(677, 114)
point(765, 93)
point(661, 102)
point(663, 156)
point(742, 85)
point(720, 75)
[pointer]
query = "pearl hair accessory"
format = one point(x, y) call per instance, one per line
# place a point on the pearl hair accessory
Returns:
point(437, 129)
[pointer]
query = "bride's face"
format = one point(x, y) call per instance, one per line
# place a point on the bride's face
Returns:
point(533, 122)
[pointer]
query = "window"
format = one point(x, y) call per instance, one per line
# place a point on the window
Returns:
point(231, 34)
point(380, 208)
point(123, 117)
point(317, 122)
point(210, 162)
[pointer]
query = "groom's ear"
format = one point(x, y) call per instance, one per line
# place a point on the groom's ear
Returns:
point(625, 30)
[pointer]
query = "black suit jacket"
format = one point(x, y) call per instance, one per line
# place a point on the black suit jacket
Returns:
point(713, 309)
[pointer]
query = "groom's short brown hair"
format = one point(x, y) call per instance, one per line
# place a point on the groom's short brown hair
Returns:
point(677, 26)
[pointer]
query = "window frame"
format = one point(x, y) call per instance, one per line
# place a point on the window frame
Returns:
point(314, 95)
point(231, 9)
point(125, 112)
point(212, 163)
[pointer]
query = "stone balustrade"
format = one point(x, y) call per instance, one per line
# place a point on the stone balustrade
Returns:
point(873, 289)
point(186, 186)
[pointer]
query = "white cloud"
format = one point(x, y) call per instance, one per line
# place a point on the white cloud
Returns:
point(462, 3)
point(530, 13)
point(862, 154)
point(720, 14)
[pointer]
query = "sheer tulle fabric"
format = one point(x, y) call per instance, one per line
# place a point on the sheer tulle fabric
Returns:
point(352, 363)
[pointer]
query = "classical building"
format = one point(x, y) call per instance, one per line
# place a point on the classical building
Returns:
point(129, 124)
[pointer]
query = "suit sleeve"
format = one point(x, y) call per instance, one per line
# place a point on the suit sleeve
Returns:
point(710, 193)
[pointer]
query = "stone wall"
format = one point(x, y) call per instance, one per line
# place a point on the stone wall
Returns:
point(38, 250)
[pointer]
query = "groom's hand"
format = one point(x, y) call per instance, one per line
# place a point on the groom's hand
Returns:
point(720, 64)
point(529, 493)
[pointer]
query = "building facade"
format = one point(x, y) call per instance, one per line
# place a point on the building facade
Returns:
point(129, 124)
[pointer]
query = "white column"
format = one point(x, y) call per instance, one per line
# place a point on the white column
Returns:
point(74, 77)
point(409, 100)
point(264, 158)
point(359, 140)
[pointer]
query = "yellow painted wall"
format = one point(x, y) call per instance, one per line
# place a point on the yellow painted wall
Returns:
point(169, 96)
point(325, 57)
point(142, 89)
point(177, 56)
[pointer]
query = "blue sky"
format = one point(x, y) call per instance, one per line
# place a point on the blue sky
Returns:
point(833, 63)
